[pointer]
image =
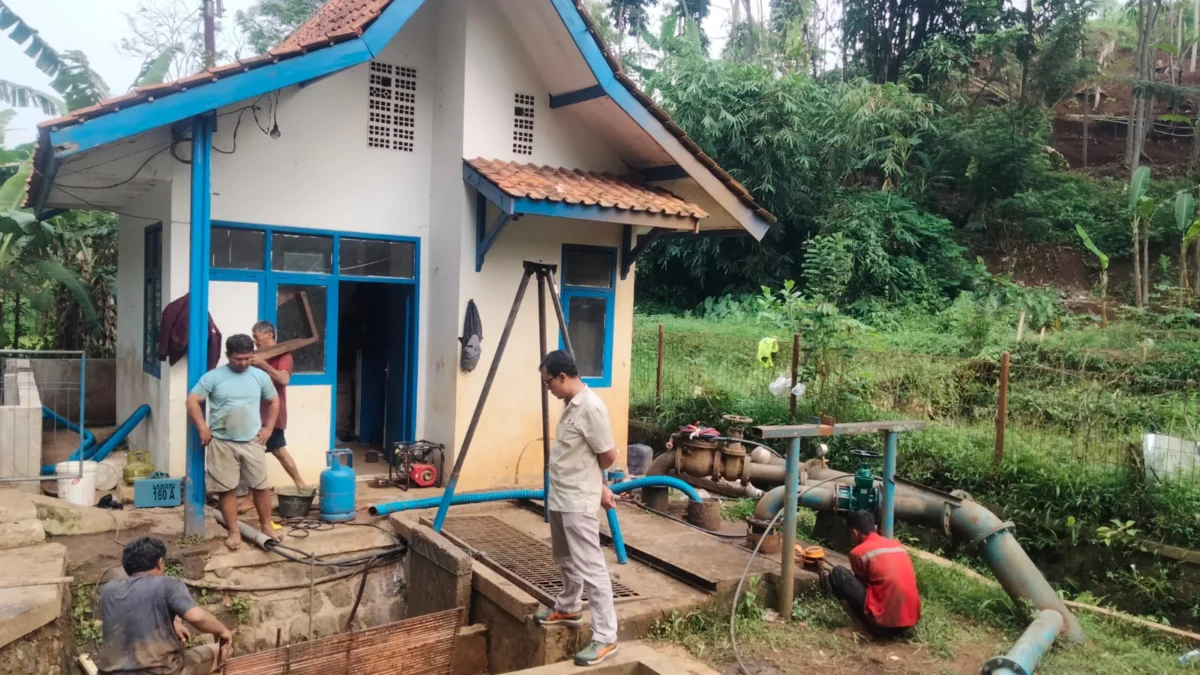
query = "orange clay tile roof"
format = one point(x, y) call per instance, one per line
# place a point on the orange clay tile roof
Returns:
point(341, 20)
point(335, 17)
point(579, 187)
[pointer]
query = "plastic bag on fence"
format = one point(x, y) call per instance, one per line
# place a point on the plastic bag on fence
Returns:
point(767, 348)
point(782, 386)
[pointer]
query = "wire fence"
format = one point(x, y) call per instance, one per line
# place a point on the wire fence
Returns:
point(1058, 415)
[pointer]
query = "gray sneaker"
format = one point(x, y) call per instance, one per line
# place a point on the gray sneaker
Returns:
point(547, 616)
point(595, 652)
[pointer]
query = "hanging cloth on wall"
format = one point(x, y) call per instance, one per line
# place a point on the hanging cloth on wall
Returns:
point(173, 333)
point(472, 338)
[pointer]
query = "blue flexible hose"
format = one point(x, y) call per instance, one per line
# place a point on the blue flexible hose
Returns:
point(467, 498)
point(657, 481)
point(614, 528)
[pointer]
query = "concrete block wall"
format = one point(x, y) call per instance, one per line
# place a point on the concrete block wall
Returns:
point(21, 425)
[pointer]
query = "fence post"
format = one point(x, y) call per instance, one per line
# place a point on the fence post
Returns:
point(1001, 411)
point(658, 376)
point(795, 372)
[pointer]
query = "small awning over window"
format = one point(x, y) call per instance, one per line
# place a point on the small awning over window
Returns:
point(526, 189)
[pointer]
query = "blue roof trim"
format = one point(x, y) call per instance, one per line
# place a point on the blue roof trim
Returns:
point(606, 78)
point(202, 98)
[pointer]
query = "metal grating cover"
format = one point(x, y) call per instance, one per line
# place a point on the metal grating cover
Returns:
point(420, 646)
point(526, 558)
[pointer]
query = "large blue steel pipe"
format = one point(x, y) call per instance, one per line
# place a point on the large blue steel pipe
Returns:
point(967, 521)
point(1029, 649)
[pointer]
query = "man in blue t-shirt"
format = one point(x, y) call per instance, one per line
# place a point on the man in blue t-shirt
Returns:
point(236, 433)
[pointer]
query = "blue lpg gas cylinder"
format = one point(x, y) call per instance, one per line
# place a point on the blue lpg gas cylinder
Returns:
point(338, 486)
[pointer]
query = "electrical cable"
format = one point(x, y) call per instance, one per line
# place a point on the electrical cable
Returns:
point(746, 573)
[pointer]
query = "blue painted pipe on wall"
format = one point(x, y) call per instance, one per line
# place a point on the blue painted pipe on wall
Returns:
point(614, 526)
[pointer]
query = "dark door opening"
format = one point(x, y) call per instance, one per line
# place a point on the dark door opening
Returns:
point(375, 374)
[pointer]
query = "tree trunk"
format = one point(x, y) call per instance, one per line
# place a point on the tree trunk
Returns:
point(1196, 268)
point(1103, 298)
point(1086, 113)
point(16, 336)
point(1135, 108)
point(1195, 31)
point(1137, 263)
point(1184, 288)
point(1146, 266)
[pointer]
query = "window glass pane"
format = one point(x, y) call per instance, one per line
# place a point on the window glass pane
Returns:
point(376, 258)
point(235, 249)
point(301, 253)
point(588, 268)
point(585, 325)
point(292, 322)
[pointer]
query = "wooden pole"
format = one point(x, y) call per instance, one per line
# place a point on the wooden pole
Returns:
point(795, 373)
point(658, 375)
point(1021, 327)
point(1086, 113)
point(54, 581)
point(1001, 411)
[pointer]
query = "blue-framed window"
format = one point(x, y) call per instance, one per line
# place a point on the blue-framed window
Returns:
point(151, 297)
point(589, 293)
point(297, 271)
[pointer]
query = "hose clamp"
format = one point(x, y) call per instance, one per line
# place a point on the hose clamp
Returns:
point(1007, 525)
point(1001, 663)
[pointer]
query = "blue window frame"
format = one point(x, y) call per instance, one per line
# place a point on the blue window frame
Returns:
point(284, 260)
point(151, 297)
point(589, 294)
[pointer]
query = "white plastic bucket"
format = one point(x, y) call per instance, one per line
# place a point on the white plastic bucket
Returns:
point(74, 489)
point(108, 473)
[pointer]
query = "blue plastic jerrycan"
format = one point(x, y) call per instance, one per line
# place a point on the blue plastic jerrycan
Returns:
point(338, 486)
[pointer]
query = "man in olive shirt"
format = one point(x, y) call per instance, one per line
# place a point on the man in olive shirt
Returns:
point(144, 620)
point(583, 449)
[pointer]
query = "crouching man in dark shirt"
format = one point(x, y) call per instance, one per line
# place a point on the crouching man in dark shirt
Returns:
point(881, 592)
point(146, 619)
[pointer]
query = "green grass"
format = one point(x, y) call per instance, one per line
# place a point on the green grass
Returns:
point(960, 614)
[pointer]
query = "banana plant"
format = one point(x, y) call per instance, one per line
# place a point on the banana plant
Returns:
point(1102, 258)
point(1141, 209)
point(25, 246)
point(1188, 226)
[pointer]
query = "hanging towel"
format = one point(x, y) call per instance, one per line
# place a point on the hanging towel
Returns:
point(472, 338)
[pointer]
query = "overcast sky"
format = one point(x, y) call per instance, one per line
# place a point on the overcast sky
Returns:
point(95, 27)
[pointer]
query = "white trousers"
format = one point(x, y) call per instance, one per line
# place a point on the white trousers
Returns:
point(575, 540)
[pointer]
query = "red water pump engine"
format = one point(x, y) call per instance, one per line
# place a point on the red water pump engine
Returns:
point(416, 463)
point(424, 475)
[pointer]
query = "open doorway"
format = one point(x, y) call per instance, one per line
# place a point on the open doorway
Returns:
point(376, 379)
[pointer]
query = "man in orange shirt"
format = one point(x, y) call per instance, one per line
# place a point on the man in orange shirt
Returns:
point(881, 592)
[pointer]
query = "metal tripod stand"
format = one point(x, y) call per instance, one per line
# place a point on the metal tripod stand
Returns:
point(545, 278)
